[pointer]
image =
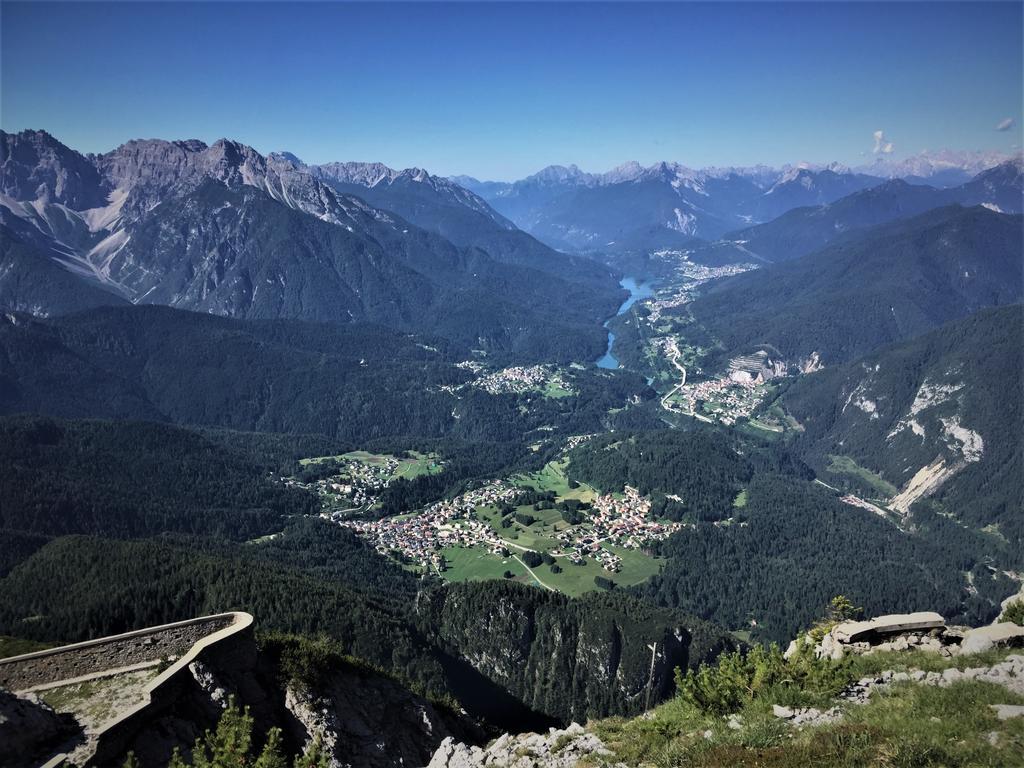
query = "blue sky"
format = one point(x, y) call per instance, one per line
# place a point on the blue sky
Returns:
point(499, 91)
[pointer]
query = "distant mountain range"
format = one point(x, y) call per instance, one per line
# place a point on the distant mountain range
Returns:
point(803, 230)
point(940, 168)
point(888, 283)
point(666, 206)
point(440, 205)
point(224, 230)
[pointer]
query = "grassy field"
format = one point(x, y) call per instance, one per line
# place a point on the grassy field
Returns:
point(539, 536)
point(551, 389)
point(553, 478)
point(15, 646)
point(844, 465)
point(477, 564)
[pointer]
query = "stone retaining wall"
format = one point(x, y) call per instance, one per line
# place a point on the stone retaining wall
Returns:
point(166, 642)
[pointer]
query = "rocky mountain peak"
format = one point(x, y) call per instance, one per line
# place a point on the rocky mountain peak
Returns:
point(36, 166)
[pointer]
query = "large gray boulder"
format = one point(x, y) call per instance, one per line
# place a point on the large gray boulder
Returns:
point(1000, 635)
point(1007, 711)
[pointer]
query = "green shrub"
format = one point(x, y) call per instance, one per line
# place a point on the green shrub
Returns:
point(1014, 612)
point(736, 679)
point(739, 678)
point(230, 746)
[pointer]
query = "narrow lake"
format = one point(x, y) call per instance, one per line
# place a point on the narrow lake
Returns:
point(637, 291)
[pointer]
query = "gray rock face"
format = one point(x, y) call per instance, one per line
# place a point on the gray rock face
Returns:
point(999, 635)
point(1008, 673)
point(804, 716)
point(35, 166)
point(151, 171)
point(369, 721)
point(379, 177)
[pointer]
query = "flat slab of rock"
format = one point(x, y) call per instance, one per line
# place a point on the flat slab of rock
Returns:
point(993, 636)
point(854, 631)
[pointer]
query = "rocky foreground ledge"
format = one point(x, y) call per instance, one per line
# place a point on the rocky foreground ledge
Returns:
point(923, 631)
point(576, 746)
point(554, 749)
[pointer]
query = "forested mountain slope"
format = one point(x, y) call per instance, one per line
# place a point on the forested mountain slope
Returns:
point(890, 283)
point(940, 409)
point(125, 479)
point(794, 545)
point(763, 548)
point(355, 381)
point(33, 282)
point(693, 475)
point(567, 658)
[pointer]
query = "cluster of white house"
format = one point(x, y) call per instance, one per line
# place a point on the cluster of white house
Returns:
point(695, 275)
point(518, 379)
point(623, 521)
point(449, 523)
point(358, 481)
point(736, 396)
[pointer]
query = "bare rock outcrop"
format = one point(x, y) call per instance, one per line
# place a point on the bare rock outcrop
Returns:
point(924, 630)
point(1001, 635)
point(1008, 673)
point(565, 748)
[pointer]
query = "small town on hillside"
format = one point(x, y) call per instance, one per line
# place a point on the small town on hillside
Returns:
point(420, 537)
point(516, 380)
point(355, 480)
point(689, 277)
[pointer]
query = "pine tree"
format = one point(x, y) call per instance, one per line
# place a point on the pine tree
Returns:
point(272, 755)
point(315, 756)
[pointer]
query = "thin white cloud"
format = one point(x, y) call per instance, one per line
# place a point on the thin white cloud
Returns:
point(881, 144)
point(1007, 124)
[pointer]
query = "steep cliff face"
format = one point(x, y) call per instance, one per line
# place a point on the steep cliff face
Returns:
point(363, 718)
point(570, 659)
point(369, 720)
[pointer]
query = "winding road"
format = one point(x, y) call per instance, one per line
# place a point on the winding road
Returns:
point(664, 401)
